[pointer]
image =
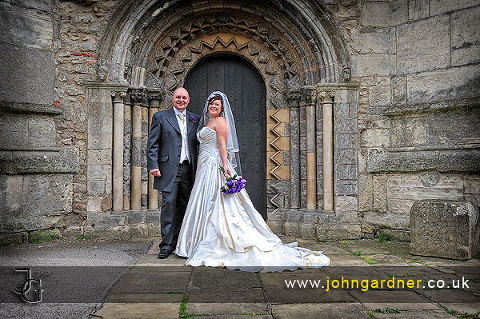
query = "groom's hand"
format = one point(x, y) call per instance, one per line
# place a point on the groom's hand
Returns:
point(155, 172)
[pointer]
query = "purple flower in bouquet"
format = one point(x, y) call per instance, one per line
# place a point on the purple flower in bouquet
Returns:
point(234, 183)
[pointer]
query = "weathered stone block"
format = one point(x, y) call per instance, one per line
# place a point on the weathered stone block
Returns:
point(291, 229)
point(442, 161)
point(39, 236)
point(442, 6)
point(346, 172)
point(379, 186)
point(107, 219)
point(28, 74)
point(41, 132)
point(472, 189)
point(389, 220)
point(94, 203)
point(276, 226)
point(153, 230)
point(449, 84)
point(346, 156)
point(371, 64)
point(135, 218)
point(308, 230)
point(413, 187)
point(448, 229)
point(346, 203)
point(48, 196)
point(399, 89)
point(375, 14)
point(153, 217)
point(398, 12)
point(421, 50)
point(338, 232)
point(12, 239)
point(138, 231)
point(109, 233)
point(365, 195)
point(465, 36)
point(394, 234)
point(99, 157)
point(418, 9)
point(345, 187)
point(380, 95)
point(28, 162)
point(369, 42)
point(375, 137)
point(71, 232)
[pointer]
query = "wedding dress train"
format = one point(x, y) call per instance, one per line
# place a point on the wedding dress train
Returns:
point(226, 230)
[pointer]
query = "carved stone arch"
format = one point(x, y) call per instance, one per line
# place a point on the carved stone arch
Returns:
point(307, 25)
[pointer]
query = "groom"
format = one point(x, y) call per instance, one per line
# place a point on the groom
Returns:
point(172, 158)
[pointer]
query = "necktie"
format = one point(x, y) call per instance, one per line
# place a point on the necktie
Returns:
point(183, 155)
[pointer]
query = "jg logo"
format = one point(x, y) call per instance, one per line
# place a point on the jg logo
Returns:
point(31, 289)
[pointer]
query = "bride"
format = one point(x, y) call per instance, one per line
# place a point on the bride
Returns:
point(225, 230)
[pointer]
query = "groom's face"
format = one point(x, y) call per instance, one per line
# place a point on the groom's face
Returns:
point(180, 99)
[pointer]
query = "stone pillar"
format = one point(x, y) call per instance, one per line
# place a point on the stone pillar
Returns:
point(127, 155)
point(154, 99)
point(309, 95)
point(143, 149)
point(118, 124)
point(327, 105)
point(294, 106)
point(137, 97)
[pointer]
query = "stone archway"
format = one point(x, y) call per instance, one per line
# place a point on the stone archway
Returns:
point(151, 46)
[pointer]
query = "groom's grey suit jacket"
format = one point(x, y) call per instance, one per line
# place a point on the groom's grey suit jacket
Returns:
point(165, 145)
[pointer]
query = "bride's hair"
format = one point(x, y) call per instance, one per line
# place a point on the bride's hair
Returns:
point(214, 98)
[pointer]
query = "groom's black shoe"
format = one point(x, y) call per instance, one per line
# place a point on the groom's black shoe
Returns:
point(164, 253)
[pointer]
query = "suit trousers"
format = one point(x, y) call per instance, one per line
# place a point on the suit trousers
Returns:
point(174, 204)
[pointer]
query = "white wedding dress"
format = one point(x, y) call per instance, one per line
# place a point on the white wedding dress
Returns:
point(221, 230)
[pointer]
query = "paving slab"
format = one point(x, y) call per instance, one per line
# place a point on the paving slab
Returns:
point(384, 260)
point(320, 311)
point(251, 309)
point(328, 248)
point(139, 281)
point(413, 314)
point(139, 311)
point(399, 299)
point(463, 308)
point(346, 260)
point(235, 317)
point(114, 297)
point(367, 247)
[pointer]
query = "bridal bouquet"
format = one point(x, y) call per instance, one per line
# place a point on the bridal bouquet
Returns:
point(234, 184)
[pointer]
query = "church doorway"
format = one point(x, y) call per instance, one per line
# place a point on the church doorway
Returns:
point(245, 89)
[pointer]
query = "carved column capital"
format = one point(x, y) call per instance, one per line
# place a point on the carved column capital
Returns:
point(118, 96)
point(309, 94)
point(293, 95)
point(326, 96)
point(138, 96)
point(155, 97)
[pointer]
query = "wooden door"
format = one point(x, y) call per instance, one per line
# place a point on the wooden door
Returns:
point(245, 89)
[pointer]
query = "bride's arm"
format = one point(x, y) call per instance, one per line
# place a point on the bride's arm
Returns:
point(222, 132)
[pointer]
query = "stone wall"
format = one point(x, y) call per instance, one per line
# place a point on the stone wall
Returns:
point(406, 132)
point(35, 169)
point(417, 63)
